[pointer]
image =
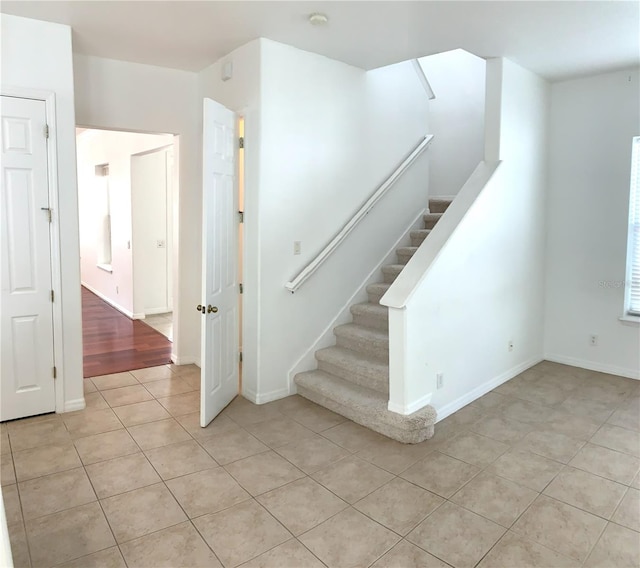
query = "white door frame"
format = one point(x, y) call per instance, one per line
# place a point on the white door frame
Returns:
point(49, 99)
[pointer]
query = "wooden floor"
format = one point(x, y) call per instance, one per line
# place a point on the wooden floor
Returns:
point(114, 343)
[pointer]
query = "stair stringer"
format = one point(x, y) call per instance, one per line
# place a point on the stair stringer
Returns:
point(327, 338)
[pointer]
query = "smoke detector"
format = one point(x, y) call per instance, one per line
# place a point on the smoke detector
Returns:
point(318, 19)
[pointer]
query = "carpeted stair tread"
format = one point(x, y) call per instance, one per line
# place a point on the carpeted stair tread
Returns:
point(365, 406)
point(439, 205)
point(354, 367)
point(418, 237)
point(405, 253)
point(430, 220)
point(376, 291)
point(391, 271)
point(371, 315)
point(373, 342)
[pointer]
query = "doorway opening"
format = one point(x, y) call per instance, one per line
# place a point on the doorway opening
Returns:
point(127, 195)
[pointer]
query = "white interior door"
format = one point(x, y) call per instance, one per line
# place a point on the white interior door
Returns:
point(219, 310)
point(27, 382)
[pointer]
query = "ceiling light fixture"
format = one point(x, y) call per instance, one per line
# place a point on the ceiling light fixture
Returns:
point(318, 19)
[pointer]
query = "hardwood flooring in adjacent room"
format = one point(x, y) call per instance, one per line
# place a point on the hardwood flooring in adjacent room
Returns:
point(114, 343)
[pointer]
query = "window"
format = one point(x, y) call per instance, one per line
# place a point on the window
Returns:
point(632, 299)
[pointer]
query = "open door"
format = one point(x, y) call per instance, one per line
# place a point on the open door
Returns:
point(219, 309)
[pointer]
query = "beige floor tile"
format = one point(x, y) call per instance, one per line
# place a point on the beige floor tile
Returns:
point(619, 439)
point(94, 401)
point(636, 481)
point(241, 533)
point(316, 418)
point(495, 498)
point(153, 373)
point(88, 387)
point(101, 447)
point(352, 478)
point(126, 395)
point(278, 432)
point(607, 463)
point(15, 425)
point(393, 456)
point(68, 535)
point(610, 391)
point(194, 380)
point(207, 491)
point(141, 413)
point(180, 404)
point(180, 370)
point(514, 551)
point(473, 449)
point(586, 491)
point(399, 505)
point(177, 547)
point(349, 539)
point(457, 536)
point(290, 404)
point(560, 527)
point(180, 459)
point(577, 427)
point(551, 445)
point(121, 474)
point(263, 472)
point(312, 454)
point(108, 558)
point(301, 505)
point(351, 436)
point(501, 429)
point(36, 434)
point(233, 445)
point(462, 419)
point(160, 433)
point(7, 471)
point(93, 422)
point(406, 555)
point(168, 387)
point(12, 508)
point(628, 512)
point(54, 493)
point(542, 393)
point(5, 446)
point(191, 423)
point(19, 546)
point(244, 412)
point(527, 469)
point(490, 401)
point(618, 546)
point(114, 381)
point(525, 411)
point(290, 554)
point(141, 512)
point(440, 474)
point(626, 418)
point(596, 410)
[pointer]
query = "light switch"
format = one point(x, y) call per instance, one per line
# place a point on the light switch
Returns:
point(297, 247)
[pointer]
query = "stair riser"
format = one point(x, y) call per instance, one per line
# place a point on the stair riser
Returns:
point(390, 277)
point(374, 297)
point(438, 206)
point(376, 349)
point(417, 241)
point(380, 322)
point(403, 257)
point(430, 221)
point(379, 383)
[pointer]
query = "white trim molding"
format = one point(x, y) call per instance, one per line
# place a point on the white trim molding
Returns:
point(594, 366)
point(406, 409)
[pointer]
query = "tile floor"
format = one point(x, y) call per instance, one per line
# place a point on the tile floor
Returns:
point(162, 323)
point(543, 471)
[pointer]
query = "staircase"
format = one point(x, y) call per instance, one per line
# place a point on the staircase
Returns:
point(352, 378)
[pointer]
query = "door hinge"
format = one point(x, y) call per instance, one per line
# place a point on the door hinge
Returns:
point(55, 373)
point(241, 288)
point(240, 356)
point(46, 131)
point(241, 142)
point(52, 295)
point(241, 216)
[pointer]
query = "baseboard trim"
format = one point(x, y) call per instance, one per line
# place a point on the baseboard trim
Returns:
point(593, 366)
point(113, 304)
point(187, 360)
point(156, 311)
point(484, 388)
point(406, 409)
point(75, 404)
point(270, 396)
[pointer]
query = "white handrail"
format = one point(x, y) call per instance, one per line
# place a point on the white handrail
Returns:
point(360, 214)
point(423, 79)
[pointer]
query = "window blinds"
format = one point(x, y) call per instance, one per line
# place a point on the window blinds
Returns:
point(633, 270)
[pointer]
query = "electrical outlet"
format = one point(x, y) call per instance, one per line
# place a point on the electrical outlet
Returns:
point(297, 247)
point(593, 340)
point(510, 345)
point(439, 380)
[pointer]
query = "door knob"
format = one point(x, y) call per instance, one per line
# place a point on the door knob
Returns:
point(200, 308)
point(212, 309)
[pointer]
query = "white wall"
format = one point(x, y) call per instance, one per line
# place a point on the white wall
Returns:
point(456, 118)
point(95, 147)
point(37, 55)
point(486, 284)
point(593, 120)
point(130, 96)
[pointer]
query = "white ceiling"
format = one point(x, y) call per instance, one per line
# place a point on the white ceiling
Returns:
point(554, 39)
